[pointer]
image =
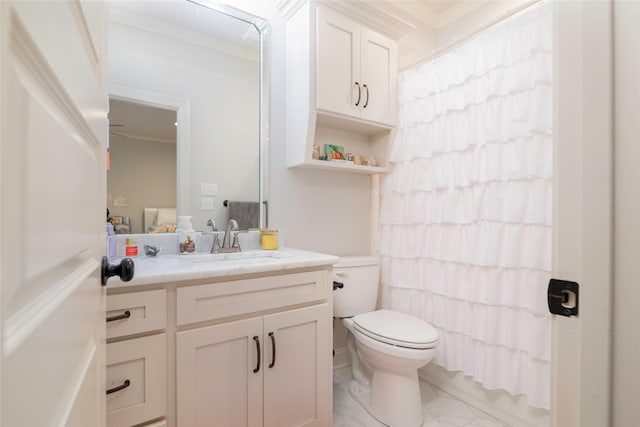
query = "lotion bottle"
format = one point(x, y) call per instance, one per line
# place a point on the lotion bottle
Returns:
point(186, 236)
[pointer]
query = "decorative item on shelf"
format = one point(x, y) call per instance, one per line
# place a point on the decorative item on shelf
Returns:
point(357, 159)
point(373, 161)
point(334, 152)
point(323, 157)
point(349, 157)
point(316, 152)
point(269, 239)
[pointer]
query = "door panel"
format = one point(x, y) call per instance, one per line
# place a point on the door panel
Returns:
point(296, 387)
point(53, 123)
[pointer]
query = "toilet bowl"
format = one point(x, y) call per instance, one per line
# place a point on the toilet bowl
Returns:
point(392, 345)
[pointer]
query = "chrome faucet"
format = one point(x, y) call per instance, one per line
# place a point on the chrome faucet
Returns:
point(232, 225)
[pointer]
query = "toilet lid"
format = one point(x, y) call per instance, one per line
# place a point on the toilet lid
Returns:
point(396, 328)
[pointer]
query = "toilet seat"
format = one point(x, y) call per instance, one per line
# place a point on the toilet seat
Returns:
point(397, 329)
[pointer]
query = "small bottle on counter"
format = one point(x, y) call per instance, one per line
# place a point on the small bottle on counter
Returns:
point(186, 236)
point(130, 248)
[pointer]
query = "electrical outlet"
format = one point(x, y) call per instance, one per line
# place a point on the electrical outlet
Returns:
point(208, 189)
point(206, 203)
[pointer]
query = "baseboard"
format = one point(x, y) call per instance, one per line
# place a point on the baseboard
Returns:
point(510, 409)
point(341, 358)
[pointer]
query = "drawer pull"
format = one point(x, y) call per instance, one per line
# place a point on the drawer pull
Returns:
point(126, 384)
point(257, 340)
point(124, 315)
point(273, 350)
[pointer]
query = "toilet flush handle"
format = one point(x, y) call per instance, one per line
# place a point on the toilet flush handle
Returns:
point(337, 285)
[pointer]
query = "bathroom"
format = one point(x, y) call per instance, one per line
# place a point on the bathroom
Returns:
point(331, 212)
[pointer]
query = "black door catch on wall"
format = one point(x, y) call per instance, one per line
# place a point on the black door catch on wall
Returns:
point(562, 297)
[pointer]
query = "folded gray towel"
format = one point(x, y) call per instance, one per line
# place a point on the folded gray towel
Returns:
point(247, 214)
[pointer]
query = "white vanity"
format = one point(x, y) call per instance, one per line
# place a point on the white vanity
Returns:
point(224, 339)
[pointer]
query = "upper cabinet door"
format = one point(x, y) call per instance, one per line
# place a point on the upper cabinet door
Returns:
point(378, 66)
point(338, 88)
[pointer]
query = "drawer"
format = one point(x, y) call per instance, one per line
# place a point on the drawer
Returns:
point(224, 299)
point(147, 312)
point(141, 361)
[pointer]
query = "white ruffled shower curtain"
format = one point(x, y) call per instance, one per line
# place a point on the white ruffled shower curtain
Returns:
point(465, 220)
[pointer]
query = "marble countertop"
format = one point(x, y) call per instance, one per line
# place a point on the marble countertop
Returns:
point(173, 268)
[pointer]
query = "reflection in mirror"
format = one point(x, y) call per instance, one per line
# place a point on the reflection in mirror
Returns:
point(142, 166)
point(203, 67)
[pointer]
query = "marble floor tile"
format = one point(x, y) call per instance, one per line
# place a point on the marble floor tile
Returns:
point(440, 408)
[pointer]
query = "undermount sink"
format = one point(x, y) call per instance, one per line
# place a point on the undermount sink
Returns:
point(249, 257)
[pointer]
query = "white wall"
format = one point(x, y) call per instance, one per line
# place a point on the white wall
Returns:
point(144, 173)
point(222, 91)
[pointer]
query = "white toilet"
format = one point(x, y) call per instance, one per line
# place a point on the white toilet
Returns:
point(391, 345)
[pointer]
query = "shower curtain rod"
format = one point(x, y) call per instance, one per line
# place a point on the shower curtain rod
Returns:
point(457, 41)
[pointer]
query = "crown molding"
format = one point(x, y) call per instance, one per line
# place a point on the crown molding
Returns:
point(373, 16)
point(288, 7)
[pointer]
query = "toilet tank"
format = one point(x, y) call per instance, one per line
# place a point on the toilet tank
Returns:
point(360, 276)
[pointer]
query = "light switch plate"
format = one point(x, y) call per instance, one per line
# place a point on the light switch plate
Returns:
point(206, 203)
point(208, 189)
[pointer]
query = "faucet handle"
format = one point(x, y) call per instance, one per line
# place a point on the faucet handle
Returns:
point(236, 241)
point(211, 223)
point(216, 243)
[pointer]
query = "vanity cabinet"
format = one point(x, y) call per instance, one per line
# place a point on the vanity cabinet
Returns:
point(341, 88)
point(244, 350)
point(356, 69)
point(265, 371)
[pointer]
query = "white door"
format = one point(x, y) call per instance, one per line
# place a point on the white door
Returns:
point(219, 375)
point(378, 68)
point(298, 367)
point(582, 223)
point(52, 150)
point(339, 88)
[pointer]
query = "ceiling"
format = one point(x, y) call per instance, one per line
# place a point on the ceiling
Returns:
point(434, 13)
point(138, 122)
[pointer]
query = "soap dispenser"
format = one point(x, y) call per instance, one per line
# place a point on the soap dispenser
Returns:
point(186, 236)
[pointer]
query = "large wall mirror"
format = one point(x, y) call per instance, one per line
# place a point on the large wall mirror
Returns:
point(187, 115)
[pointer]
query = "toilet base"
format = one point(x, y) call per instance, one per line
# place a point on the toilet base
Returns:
point(396, 404)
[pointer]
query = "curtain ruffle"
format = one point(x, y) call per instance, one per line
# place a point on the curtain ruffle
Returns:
point(466, 211)
point(526, 201)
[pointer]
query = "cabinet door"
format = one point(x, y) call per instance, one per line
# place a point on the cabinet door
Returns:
point(297, 384)
point(338, 88)
point(215, 382)
point(378, 69)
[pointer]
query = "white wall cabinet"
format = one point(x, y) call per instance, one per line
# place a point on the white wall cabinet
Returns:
point(268, 371)
point(197, 363)
point(356, 69)
point(341, 88)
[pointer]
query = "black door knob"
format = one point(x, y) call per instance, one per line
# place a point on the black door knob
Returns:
point(124, 270)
